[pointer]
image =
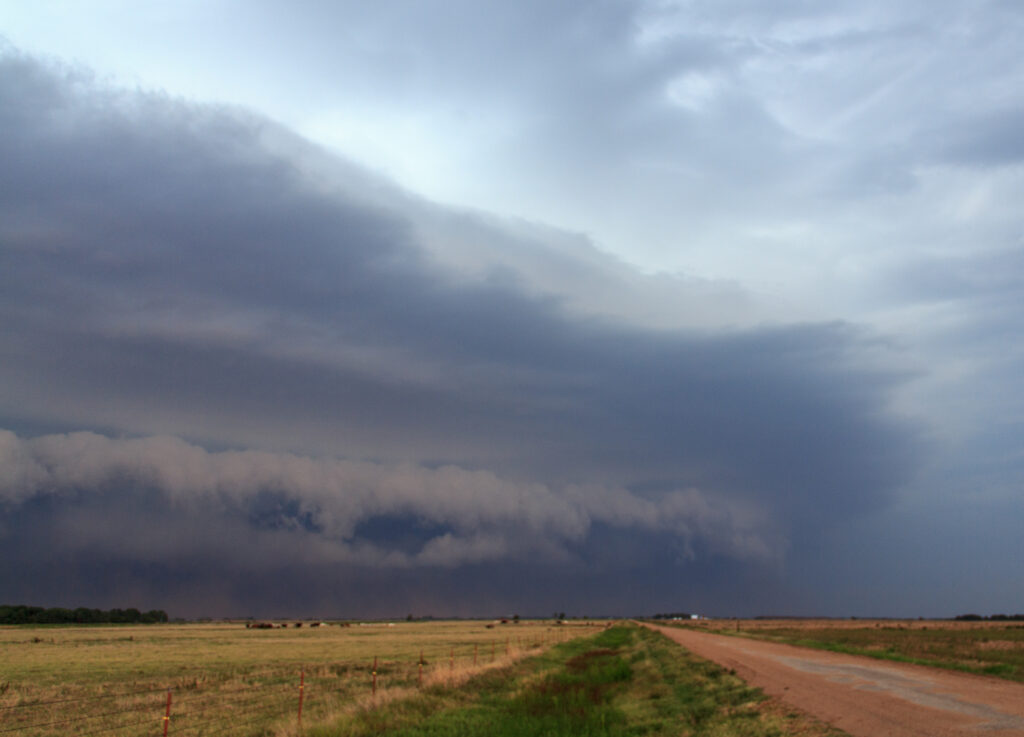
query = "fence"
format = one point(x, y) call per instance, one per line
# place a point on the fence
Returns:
point(261, 699)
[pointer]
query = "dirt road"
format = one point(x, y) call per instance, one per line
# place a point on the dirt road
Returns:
point(867, 697)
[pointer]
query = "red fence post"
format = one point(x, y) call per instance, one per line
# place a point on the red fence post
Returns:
point(302, 689)
point(421, 668)
point(374, 686)
point(167, 713)
point(451, 659)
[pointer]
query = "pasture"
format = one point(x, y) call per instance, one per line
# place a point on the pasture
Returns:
point(229, 680)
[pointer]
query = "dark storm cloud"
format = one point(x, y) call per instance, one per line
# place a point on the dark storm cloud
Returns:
point(174, 270)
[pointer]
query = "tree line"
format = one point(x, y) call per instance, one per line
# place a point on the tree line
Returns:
point(20, 614)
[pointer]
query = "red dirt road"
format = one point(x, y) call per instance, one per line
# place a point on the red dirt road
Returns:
point(866, 697)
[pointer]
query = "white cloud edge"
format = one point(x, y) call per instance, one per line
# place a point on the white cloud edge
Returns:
point(481, 516)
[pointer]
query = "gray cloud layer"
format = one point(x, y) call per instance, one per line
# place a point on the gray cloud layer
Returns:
point(195, 272)
point(466, 516)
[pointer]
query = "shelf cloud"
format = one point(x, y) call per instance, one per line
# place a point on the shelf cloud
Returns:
point(244, 373)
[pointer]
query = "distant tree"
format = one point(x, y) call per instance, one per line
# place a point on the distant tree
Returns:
point(20, 614)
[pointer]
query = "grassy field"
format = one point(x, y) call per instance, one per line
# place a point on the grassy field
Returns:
point(226, 679)
point(526, 679)
point(989, 648)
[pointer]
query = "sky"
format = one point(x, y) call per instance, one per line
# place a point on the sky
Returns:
point(478, 308)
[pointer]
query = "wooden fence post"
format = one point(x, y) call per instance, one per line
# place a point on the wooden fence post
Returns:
point(167, 713)
point(374, 687)
point(302, 692)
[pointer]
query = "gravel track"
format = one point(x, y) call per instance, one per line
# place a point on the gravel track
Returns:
point(863, 696)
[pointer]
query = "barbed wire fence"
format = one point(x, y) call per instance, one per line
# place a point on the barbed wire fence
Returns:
point(262, 700)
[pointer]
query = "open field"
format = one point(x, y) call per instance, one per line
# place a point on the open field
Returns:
point(226, 679)
point(991, 648)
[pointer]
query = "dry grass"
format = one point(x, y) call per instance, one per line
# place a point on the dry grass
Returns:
point(226, 679)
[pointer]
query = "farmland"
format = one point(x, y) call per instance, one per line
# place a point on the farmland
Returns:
point(225, 679)
point(988, 647)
